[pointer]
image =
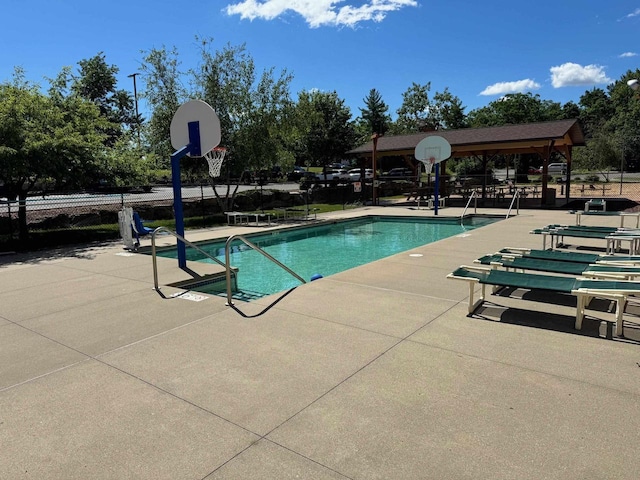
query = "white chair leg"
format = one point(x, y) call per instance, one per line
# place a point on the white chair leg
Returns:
point(621, 302)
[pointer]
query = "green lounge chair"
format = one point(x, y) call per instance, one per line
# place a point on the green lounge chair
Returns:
point(614, 238)
point(571, 256)
point(622, 272)
point(582, 288)
point(600, 213)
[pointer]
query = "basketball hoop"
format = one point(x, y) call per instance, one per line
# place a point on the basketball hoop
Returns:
point(215, 158)
point(428, 165)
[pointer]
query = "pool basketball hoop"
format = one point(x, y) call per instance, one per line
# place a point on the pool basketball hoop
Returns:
point(214, 158)
point(195, 128)
point(431, 151)
point(428, 165)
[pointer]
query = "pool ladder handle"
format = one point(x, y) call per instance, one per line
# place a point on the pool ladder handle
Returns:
point(474, 196)
point(227, 249)
point(182, 239)
point(226, 264)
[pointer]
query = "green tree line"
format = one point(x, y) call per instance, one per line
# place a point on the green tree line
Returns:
point(82, 129)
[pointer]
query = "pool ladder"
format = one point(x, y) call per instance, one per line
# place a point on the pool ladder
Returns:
point(230, 272)
point(474, 196)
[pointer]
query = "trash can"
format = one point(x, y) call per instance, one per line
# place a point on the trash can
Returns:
point(551, 196)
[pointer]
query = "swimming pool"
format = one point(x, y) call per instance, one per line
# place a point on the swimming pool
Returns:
point(324, 249)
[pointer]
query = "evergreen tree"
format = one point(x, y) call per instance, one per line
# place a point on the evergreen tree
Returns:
point(374, 116)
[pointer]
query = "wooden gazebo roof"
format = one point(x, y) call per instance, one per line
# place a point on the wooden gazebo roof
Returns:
point(542, 138)
point(558, 135)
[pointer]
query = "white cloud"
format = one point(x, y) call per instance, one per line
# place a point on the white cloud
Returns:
point(628, 54)
point(502, 88)
point(319, 13)
point(571, 74)
point(635, 13)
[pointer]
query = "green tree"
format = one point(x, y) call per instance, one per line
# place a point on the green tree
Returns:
point(40, 140)
point(253, 111)
point(595, 111)
point(96, 82)
point(416, 112)
point(164, 93)
point(450, 110)
point(515, 108)
point(324, 128)
point(374, 117)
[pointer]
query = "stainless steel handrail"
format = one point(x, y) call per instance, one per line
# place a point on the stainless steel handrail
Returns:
point(181, 238)
point(516, 195)
point(474, 195)
point(260, 251)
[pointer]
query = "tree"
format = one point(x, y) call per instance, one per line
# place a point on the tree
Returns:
point(39, 139)
point(450, 110)
point(515, 108)
point(253, 112)
point(164, 93)
point(418, 113)
point(96, 82)
point(595, 110)
point(324, 128)
point(374, 117)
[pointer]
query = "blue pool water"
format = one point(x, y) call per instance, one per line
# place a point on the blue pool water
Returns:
point(325, 249)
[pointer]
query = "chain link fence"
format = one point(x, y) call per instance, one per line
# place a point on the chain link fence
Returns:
point(85, 210)
point(81, 210)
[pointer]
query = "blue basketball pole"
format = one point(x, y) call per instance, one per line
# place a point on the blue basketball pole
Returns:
point(437, 190)
point(193, 148)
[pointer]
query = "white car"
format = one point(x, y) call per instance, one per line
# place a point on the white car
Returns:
point(355, 174)
point(333, 174)
point(556, 168)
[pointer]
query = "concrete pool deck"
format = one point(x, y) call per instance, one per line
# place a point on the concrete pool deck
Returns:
point(374, 373)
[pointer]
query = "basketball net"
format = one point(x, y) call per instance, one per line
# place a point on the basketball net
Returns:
point(215, 158)
point(428, 164)
point(431, 154)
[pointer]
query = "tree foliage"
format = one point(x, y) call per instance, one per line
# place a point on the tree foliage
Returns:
point(96, 82)
point(45, 138)
point(419, 113)
point(374, 117)
point(516, 108)
point(323, 126)
point(164, 93)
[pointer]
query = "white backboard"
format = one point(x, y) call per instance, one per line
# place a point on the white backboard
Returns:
point(433, 149)
point(195, 111)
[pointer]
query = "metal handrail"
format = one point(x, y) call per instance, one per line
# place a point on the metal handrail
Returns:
point(260, 251)
point(181, 238)
point(516, 195)
point(474, 195)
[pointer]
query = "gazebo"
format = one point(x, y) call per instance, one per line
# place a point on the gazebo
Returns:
point(485, 143)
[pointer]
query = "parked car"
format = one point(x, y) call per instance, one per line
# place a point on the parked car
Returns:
point(338, 165)
point(333, 174)
point(534, 171)
point(296, 174)
point(399, 172)
point(555, 168)
point(356, 173)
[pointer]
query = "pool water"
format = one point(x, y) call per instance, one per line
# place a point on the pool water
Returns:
point(325, 249)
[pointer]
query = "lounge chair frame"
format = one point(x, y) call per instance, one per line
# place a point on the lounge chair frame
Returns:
point(583, 295)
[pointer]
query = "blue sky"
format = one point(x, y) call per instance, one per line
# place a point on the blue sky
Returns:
point(479, 50)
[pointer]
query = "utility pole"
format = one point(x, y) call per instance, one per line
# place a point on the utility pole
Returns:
point(135, 96)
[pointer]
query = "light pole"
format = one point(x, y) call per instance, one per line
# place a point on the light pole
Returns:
point(633, 85)
point(135, 96)
point(374, 182)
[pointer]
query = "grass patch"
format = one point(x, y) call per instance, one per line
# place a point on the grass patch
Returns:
point(51, 238)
